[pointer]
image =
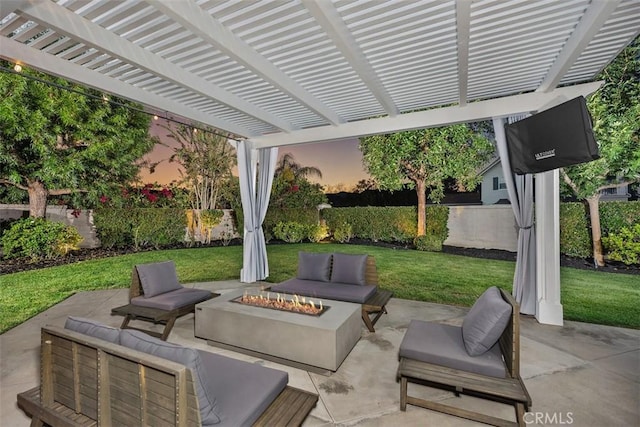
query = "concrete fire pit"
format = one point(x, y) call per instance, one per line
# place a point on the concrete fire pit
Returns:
point(315, 341)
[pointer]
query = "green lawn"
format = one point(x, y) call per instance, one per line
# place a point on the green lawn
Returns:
point(595, 297)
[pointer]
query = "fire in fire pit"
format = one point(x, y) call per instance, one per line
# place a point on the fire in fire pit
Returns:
point(294, 304)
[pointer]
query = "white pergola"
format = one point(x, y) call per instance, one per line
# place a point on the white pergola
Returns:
point(291, 72)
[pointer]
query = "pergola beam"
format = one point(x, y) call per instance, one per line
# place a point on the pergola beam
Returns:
point(463, 19)
point(191, 16)
point(595, 17)
point(332, 23)
point(66, 22)
point(476, 111)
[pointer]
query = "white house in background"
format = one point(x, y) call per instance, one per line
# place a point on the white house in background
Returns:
point(494, 188)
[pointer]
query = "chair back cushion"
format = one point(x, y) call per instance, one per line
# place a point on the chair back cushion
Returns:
point(188, 357)
point(93, 329)
point(158, 277)
point(312, 266)
point(485, 322)
point(349, 269)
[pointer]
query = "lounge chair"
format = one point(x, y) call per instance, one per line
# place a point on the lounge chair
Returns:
point(481, 358)
point(156, 296)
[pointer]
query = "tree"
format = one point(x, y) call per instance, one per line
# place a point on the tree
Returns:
point(424, 159)
point(206, 159)
point(364, 185)
point(58, 138)
point(292, 170)
point(615, 110)
point(291, 188)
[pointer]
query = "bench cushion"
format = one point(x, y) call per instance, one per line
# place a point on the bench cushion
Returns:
point(327, 290)
point(485, 322)
point(173, 299)
point(313, 266)
point(186, 356)
point(349, 269)
point(243, 390)
point(442, 345)
point(93, 329)
point(158, 277)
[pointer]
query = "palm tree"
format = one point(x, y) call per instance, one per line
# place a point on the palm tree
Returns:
point(292, 170)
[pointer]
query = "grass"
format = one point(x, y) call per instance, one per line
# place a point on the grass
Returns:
point(587, 296)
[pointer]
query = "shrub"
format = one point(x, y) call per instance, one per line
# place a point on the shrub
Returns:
point(317, 232)
point(614, 216)
point(436, 225)
point(390, 224)
point(428, 243)
point(140, 227)
point(624, 246)
point(290, 232)
point(37, 238)
point(342, 233)
point(276, 215)
point(574, 231)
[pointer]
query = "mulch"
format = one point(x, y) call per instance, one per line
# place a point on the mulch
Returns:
point(15, 266)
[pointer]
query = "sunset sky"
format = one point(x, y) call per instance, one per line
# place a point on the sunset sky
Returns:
point(340, 162)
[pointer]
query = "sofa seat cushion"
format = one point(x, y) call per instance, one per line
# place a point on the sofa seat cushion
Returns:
point(158, 277)
point(174, 299)
point(243, 390)
point(443, 345)
point(327, 290)
point(93, 329)
point(189, 357)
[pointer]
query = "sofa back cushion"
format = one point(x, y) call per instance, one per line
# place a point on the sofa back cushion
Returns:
point(349, 269)
point(186, 356)
point(312, 266)
point(158, 277)
point(485, 322)
point(93, 329)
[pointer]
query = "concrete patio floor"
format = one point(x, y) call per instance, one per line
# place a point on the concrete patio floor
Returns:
point(580, 374)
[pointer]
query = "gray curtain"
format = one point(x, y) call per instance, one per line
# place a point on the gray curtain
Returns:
point(255, 170)
point(520, 189)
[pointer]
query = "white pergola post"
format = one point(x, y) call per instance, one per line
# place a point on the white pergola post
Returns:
point(547, 211)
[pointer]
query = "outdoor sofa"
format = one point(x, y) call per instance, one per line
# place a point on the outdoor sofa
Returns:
point(480, 358)
point(92, 374)
point(341, 277)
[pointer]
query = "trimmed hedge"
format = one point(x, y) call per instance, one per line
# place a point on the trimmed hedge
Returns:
point(140, 227)
point(575, 239)
point(387, 224)
point(614, 216)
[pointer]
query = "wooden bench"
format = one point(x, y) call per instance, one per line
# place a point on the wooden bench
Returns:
point(510, 389)
point(86, 381)
point(152, 314)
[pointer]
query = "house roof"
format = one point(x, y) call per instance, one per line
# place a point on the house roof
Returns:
point(286, 72)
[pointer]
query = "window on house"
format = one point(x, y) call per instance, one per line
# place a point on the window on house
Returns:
point(496, 186)
point(503, 186)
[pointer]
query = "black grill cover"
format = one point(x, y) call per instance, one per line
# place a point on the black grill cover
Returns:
point(557, 137)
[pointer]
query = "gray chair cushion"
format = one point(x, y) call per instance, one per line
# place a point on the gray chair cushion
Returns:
point(313, 266)
point(158, 277)
point(485, 322)
point(442, 345)
point(349, 269)
point(243, 390)
point(186, 356)
point(93, 328)
point(327, 290)
point(173, 299)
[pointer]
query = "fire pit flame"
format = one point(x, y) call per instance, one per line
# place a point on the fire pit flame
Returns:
point(295, 304)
